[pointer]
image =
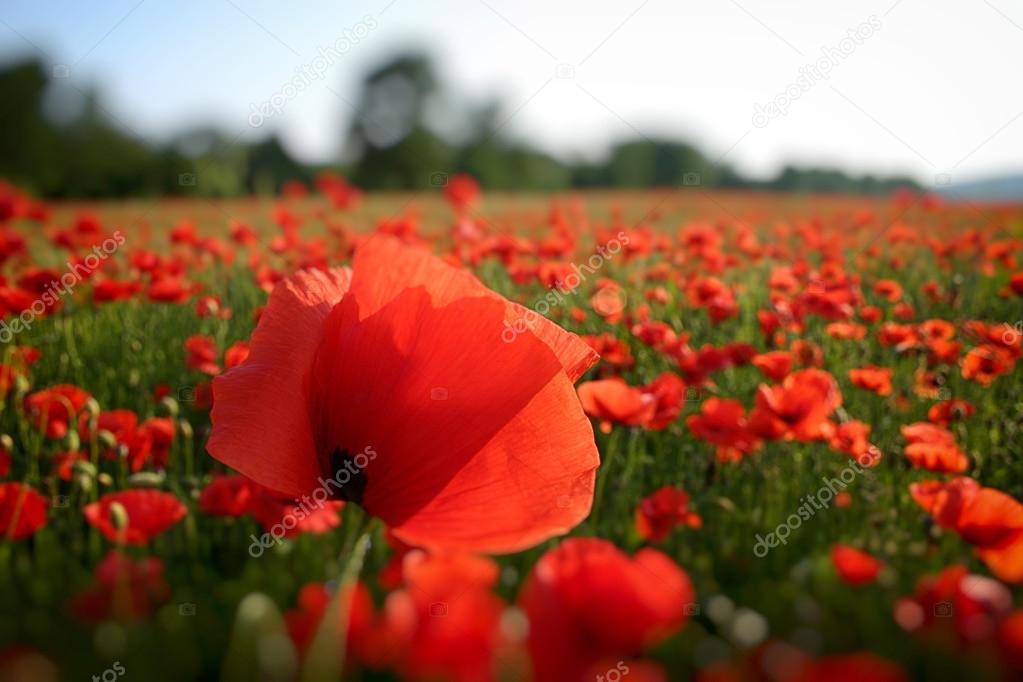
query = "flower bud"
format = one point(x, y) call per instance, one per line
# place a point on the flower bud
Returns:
point(147, 479)
point(106, 439)
point(118, 515)
point(170, 407)
point(92, 407)
point(71, 441)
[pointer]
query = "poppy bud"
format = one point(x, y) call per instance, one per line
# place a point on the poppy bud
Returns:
point(21, 384)
point(146, 479)
point(169, 406)
point(84, 468)
point(260, 647)
point(6, 442)
point(106, 439)
point(186, 429)
point(91, 407)
point(118, 515)
point(71, 441)
point(84, 483)
point(105, 479)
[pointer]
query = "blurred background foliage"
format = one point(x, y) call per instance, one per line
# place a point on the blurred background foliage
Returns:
point(84, 151)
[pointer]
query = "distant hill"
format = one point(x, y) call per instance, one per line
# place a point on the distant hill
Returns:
point(1001, 188)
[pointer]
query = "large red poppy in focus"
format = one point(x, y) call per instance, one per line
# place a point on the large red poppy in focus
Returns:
point(481, 443)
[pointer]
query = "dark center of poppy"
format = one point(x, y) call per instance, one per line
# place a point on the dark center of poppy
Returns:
point(351, 479)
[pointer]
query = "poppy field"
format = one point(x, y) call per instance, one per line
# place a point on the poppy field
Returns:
point(463, 435)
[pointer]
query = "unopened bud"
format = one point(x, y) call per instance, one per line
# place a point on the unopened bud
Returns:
point(146, 479)
point(170, 407)
point(21, 384)
point(106, 439)
point(186, 429)
point(91, 407)
point(71, 441)
point(105, 479)
point(84, 468)
point(6, 442)
point(118, 515)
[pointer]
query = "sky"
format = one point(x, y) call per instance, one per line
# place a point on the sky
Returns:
point(929, 88)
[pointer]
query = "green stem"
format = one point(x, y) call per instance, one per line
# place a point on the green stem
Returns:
point(326, 656)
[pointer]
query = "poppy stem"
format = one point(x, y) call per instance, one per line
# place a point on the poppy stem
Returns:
point(326, 657)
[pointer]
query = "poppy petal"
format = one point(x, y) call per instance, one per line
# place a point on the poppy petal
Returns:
point(395, 267)
point(260, 408)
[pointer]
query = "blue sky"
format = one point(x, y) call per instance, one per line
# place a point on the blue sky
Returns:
point(928, 87)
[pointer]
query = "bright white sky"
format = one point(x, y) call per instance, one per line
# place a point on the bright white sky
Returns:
point(934, 89)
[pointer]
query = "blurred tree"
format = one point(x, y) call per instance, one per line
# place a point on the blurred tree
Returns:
point(390, 145)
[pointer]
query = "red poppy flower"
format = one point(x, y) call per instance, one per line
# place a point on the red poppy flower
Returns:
point(482, 443)
point(775, 365)
point(22, 511)
point(202, 354)
point(984, 517)
point(293, 517)
point(857, 667)
point(797, 408)
point(947, 411)
point(135, 516)
point(986, 363)
point(970, 605)
point(662, 511)
point(226, 496)
point(851, 437)
point(854, 566)
point(586, 601)
point(614, 401)
point(52, 410)
point(462, 191)
point(236, 354)
point(123, 590)
point(846, 331)
point(356, 605)
point(445, 623)
point(876, 379)
point(1010, 631)
point(722, 422)
point(933, 448)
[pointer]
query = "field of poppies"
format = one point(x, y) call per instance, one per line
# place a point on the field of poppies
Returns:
point(641, 436)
